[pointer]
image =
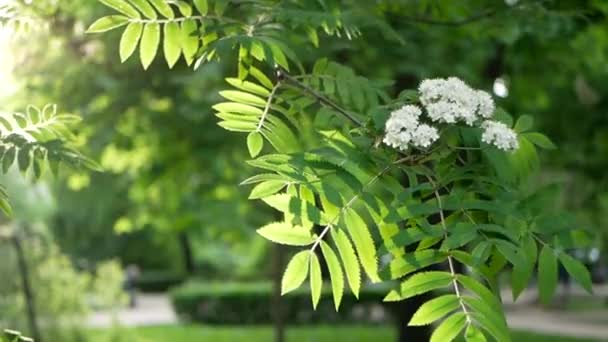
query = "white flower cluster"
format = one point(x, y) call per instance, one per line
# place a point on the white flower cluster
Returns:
point(499, 135)
point(403, 128)
point(450, 100)
point(446, 101)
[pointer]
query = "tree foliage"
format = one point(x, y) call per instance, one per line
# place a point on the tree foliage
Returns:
point(315, 133)
point(37, 140)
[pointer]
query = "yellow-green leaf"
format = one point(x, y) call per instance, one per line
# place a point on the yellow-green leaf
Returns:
point(255, 142)
point(163, 8)
point(335, 273)
point(349, 259)
point(107, 23)
point(420, 283)
point(248, 86)
point(286, 234)
point(267, 188)
point(316, 281)
point(202, 6)
point(171, 46)
point(184, 8)
point(145, 8)
point(190, 40)
point(473, 334)
point(149, 44)
point(296, 272)
point(123, 7)
point(129, 40)
point(435, 309)
point(364, 244)
point(449, 328)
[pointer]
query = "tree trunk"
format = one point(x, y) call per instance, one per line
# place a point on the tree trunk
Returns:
point(186, 247)
point(27, 289)
point(278, 254)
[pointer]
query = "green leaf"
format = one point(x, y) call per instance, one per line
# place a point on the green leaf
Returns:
point(420, 283)
point(129, 40)
point(488, 318)
point(21, 120)
point(523, 123)
point(335, 273)
point(5, 206)
point(459, 236)
point(202, 6)
point(263, 79)
point(577, 270)
point(190, 40)
point(296, 272)
point(364, 244)
point(408, 236)
point(411, 262)
point(184, 8)
point(449, 328)
point(540, 140)
point(8, 159)
point(238, 108)
point(472, 334)
point(480, 290)
point(547, 274)
point(220, 6)
point(248, 87)
point(123, 7)
point(521, 275)
point(435, 309)
point(6, 124)
point(286, 234)
point(149, 44)
point(171, 44)
point(242, 97)
point(349, 259)
point(163, 8)
point(107, 23)
point(255, 142)
point(316, 281)
point(145, 8)
point(266, 189)
point(24, 159)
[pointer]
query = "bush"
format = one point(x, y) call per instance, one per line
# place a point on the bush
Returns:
point(251, 303)
point(158, 281)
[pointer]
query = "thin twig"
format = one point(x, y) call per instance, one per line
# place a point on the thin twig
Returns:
point(324, 100)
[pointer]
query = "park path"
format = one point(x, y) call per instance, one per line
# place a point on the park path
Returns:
point(155, 309)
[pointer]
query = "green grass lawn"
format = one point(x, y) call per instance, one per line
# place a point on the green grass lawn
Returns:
point(264, 333)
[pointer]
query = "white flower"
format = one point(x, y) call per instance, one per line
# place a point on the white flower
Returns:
point(499, 135)
point(424, 136)
point(485, 104)
point(398, 140)
point(401, 127)
point(451, 100)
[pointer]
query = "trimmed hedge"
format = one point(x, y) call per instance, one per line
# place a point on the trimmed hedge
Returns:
point(250, 303)
point(158, 281)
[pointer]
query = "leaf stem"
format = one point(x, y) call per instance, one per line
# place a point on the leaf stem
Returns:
point(267, 106)
point(322, 99)
point(348, 205)
point(450, 259)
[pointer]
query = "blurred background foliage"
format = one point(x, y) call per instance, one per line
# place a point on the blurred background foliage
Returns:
point(171, 174)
